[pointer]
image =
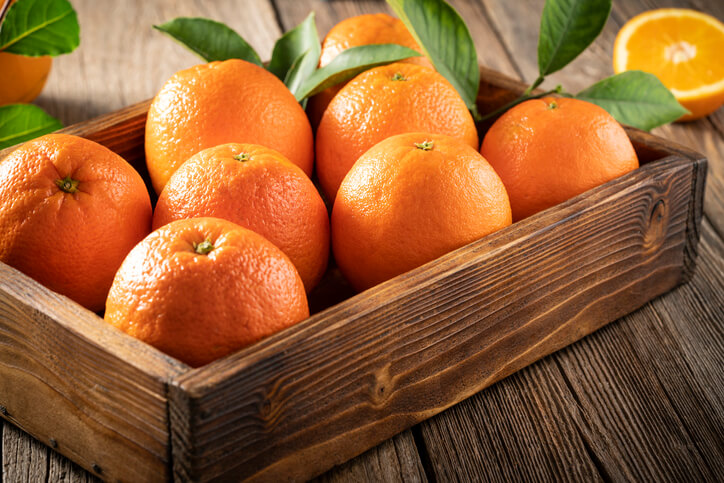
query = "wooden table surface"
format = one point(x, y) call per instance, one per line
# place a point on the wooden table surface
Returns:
point(641, 399)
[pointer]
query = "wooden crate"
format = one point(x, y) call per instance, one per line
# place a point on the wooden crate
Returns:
point(363, 367)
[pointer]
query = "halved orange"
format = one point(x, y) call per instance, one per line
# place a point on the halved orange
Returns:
point(683, 48)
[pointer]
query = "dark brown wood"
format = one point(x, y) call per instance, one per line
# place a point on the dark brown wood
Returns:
point(663, 333)
point(77, 384)
point(530, 417)
point(26, 459)
point(358, 373)
point(407, 349)
point(642, 396)
point(375, 463)
point(395, 460)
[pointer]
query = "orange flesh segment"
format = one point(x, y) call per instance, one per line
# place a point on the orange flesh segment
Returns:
point(683, 52)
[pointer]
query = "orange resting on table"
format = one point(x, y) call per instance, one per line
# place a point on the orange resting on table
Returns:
point(70, 211)
point(549, 150)
point(259, 189)
point(379, 103)
point(683, 48)
point(201, 288)
point(233, 101)
point(374, 28)
point(410, 199)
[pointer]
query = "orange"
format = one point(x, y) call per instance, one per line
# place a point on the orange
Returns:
point(201, 288)
point(70, 211)
point(410, 199)
point(223, 102)
point(259, 189)
point(379, 103)
point(549, 150)
point(683, 48)
point(374, 28)
point(25, 77)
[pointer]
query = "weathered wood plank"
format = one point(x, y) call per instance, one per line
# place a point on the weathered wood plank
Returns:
point(448, 331)
point(520, 429)
point(26, 460)
point(79, 385)
point(602, 436)
point(705, 380)
point(395, 460)
point(122, 60)
point(644, 397)
point(23, 459)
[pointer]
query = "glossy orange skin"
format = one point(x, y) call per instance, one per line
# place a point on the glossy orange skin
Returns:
point(400, 207)
point(373, 107)
point(373, 28)
point(199, 307)
point(265, 193)
point(223, 102)
point(549, 150)
point(23, 77)
point(72, 243)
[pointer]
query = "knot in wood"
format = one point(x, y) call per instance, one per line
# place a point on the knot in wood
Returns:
point(269, 409)
point(657, 226)
point(381, 386)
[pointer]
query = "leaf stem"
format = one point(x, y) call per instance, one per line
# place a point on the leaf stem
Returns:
point(522, 98)
point(535, 84)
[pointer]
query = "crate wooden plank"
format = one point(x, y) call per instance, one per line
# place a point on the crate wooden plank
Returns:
point(80, 386)
point(363, 370)
point(383, 360)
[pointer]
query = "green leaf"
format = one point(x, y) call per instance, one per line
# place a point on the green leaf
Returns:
point(22, 122)
point(567, 27)
point(302, 69)
point(635, 98)
point(351, 62)
point(292, 45)
point(446, 41)
point(40, 27)
point(209, 39)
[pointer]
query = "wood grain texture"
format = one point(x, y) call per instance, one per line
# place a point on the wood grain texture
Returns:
point(689, 363)
point(641, 397)
point(25, 459)
point(679, 335)
point(365, 369)
point(395, 460)
point(81, 386)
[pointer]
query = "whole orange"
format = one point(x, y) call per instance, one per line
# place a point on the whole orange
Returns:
point(373, 28)
point(379, 103)
point(259, 189)
point(25, 77)
point(223, 102)
point(549, 150)
point(410, 199)
point(70, 211)
point(201, 288)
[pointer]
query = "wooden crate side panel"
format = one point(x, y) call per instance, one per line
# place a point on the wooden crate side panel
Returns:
point(80, 386)
point(331, 387)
